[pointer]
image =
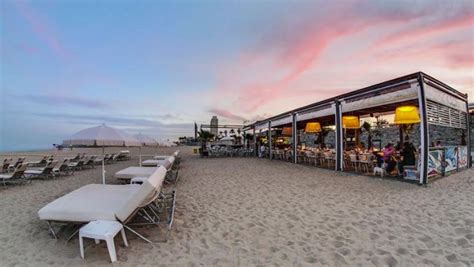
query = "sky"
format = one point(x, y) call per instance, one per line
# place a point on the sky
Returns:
point(156, 67)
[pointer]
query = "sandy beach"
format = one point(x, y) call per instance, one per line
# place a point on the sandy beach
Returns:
point(249, 212)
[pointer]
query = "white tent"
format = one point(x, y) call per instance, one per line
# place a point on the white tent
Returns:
point(226, 140)
point(167, 143)
point(146, 140)
point(101, 136)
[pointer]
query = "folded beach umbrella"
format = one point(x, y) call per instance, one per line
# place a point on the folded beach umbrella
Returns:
point(101, 136)
point(145, 140)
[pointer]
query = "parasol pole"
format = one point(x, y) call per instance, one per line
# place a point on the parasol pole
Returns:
point(103, 165)
point(140, 155)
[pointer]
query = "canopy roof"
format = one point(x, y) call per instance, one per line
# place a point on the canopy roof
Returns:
point(145, 140)
point(442, 91)
point(102, 135)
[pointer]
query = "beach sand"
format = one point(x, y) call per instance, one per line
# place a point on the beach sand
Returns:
point(247, 212)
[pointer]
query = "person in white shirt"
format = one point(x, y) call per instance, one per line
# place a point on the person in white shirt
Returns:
point(262, 151)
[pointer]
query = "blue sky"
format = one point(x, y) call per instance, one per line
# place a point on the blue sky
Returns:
point(157, 66)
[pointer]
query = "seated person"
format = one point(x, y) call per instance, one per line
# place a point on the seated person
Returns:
point(387, 157)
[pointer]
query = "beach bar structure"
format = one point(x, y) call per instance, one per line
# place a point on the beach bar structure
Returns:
point(347, 132)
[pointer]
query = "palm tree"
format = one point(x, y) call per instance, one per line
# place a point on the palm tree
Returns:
point(205, 136)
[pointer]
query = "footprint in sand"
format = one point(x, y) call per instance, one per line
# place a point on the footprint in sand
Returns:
point(310, 259)
point(461, 242)
point(391, 261)
point(428, 241)
point(204, 243)
point(461, 231)
point(344, 251)
point(373, 236)
point(452, 258)
point(391, 237)
point(402, 251)
point(421, 252)
point(338, 244)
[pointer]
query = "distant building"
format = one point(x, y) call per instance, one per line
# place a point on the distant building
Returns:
point(214, 125)
point(195, 130)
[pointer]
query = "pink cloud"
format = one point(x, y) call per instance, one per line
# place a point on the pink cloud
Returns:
point(269, 71)
point(27, 48)
point(226, 114)
point(452, 54)
point(428, 28)
point(42, 29)
point(292, 52)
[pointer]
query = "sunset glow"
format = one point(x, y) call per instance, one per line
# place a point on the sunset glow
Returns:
point(156, 67)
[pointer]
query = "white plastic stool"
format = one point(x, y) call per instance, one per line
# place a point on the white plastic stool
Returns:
point(102, 230)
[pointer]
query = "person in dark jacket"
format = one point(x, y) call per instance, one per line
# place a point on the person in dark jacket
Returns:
point(409, 155)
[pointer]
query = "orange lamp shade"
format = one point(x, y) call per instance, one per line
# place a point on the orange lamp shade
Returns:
point(312, 127)
point(287, 131)
point(350, 122)
point(407, 115)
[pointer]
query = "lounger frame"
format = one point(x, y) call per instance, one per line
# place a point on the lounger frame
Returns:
point(148, 211)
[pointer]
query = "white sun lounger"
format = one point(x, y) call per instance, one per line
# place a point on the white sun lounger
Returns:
point(103, 202)
point(153, 162)
point(16, 177)
point(163, 157)
point(130, 172)
point(92, 202)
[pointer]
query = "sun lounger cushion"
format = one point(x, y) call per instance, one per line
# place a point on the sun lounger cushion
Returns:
point(171, 161)
point(91, 202)
point(157, 178)
point(131, 172)
point(167, 163)
point(161, 157)
point(33, 171)
point(146, 192)
point(153, 162)
point(151, 186)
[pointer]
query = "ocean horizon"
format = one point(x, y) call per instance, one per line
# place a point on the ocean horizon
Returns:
point(24, 149)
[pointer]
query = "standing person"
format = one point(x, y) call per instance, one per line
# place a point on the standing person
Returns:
point(262, 150)
point(408, 153)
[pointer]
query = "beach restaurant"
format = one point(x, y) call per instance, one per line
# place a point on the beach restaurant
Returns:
point(413, 128)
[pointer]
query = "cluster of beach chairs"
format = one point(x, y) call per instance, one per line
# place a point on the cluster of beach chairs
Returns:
point(139, 200)
point(228, 151)
point(22, 171)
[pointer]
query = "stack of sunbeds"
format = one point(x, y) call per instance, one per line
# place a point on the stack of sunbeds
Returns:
point(15, 177)
point(149, 166)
